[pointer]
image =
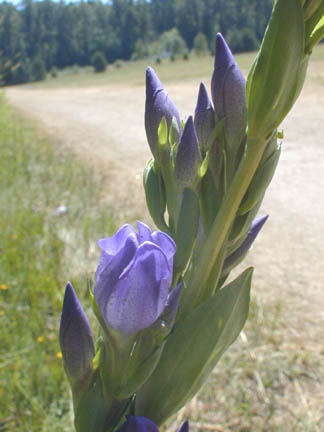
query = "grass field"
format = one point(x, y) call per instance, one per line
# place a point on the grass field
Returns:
point(41, 247)
point(271, 380)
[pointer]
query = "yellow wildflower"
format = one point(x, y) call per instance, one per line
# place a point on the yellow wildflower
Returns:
point(3, 287)
point(40, 339)
point(59, 355)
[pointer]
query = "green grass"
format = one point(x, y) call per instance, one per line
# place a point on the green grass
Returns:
point(39, 251)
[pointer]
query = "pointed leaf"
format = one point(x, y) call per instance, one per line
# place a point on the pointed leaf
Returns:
point(272, 82)
point(193, 349)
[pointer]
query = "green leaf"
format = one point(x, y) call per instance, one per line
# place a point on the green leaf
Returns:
point(260, 182)
point(193, 349)
point(272, 83)
point(186, 231)
point(155, 195)
point(316, 36)
point(163, 133)
point(92, 413)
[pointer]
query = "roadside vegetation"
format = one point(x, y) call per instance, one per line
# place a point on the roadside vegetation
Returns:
point(50, 218)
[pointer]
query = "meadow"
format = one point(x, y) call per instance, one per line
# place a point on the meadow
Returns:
point(77, 176)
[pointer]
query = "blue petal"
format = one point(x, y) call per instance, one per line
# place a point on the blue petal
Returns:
point(144, 232)
point(138, 424)
point(76, 338)
point(140, 294)
point(111, 246)
point(111, 267)
point(167, 244)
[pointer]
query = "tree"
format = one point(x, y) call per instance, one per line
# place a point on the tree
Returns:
point(200, 44)
point(99, 62)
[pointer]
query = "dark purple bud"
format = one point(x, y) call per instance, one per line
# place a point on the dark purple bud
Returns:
point(184, 427)
point(233, 259)
point(138, 424)
point(158, 105)
point(76, 339)
point(143, 424)
point(204, 118)
point(188, 158)
point(228, 93)
point(133, 277)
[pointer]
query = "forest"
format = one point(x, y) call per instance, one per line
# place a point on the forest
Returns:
point(37, 37)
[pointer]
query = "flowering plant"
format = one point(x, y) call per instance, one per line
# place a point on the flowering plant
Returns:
point(165, 311)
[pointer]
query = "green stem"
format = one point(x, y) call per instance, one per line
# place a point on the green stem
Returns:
point(223, 221)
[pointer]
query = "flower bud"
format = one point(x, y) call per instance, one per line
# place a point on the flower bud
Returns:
point(184, 427)
point(188, 158)
point(143, 424)
point(228, 94)
point(237, 256)
point(138, 424)
point(204, 118)
point(158, 105)
point(76, 339)
point(133, 278)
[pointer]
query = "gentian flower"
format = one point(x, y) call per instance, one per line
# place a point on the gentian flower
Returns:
point(133, 278)
point(188, 158)
point(158, 105)
point(204, 117)
point(143, 424)
point(76, 338)
point(228, 94)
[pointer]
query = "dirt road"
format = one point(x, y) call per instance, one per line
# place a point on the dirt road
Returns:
point(105, 127)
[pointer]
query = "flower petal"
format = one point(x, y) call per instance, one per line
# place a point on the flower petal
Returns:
point(110, 267)
point(139, 296)
point(144, 232)
point(166, 243)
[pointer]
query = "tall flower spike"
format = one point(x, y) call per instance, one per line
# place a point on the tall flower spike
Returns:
point(204, 118)
point(228, 95)
point(76, 339)
point(157, 105)
point(188, 157)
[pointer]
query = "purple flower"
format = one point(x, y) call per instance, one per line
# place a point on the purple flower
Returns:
point(228, 93)
point(133, 278)
point(157, 105)
point(143, 424)
point(188, 158)
point(76, 339)
point(204, 117)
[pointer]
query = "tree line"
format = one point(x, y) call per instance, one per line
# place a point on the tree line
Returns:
point(39, 36)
